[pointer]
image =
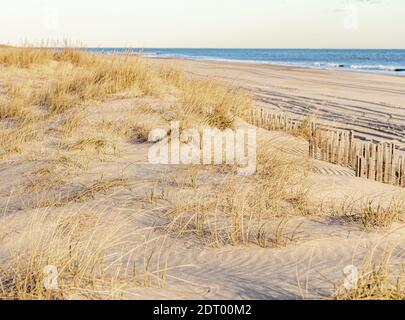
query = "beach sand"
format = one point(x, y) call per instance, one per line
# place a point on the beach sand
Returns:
point(321, 243)
point(371, 104)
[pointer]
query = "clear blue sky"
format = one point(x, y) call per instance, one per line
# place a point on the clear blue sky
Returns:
point(208, 23)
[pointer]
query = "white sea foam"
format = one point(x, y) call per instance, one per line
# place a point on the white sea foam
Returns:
point(379, 67)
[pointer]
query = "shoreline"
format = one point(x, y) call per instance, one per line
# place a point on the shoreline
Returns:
point(400, 72)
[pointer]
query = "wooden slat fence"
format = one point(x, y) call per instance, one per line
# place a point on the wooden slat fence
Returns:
point(379, 162)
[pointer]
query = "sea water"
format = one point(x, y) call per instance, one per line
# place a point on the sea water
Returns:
point(366, 60)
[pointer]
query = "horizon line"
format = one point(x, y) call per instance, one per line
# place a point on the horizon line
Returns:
point(203, 48)
point(214, 48)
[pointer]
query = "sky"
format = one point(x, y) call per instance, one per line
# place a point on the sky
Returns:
point(206, 23)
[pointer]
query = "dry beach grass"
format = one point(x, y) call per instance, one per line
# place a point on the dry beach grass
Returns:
point(79, 194)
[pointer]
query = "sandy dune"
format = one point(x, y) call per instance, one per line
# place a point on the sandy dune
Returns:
point(307, 268)
point(323, 244)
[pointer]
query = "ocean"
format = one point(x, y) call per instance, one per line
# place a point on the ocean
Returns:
point(368, 60)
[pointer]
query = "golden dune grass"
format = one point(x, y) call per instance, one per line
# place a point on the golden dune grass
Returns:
point(24, 58)
point(51, 111)
point(246, 210)
point(86, 249)
point(379, 279)
point(375, 215)
point(14, 138)
point(371, 214)
point(86, 192)
point(73, 78)
point(206, 102)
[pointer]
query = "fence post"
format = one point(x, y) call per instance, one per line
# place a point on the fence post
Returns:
point(392, 158)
